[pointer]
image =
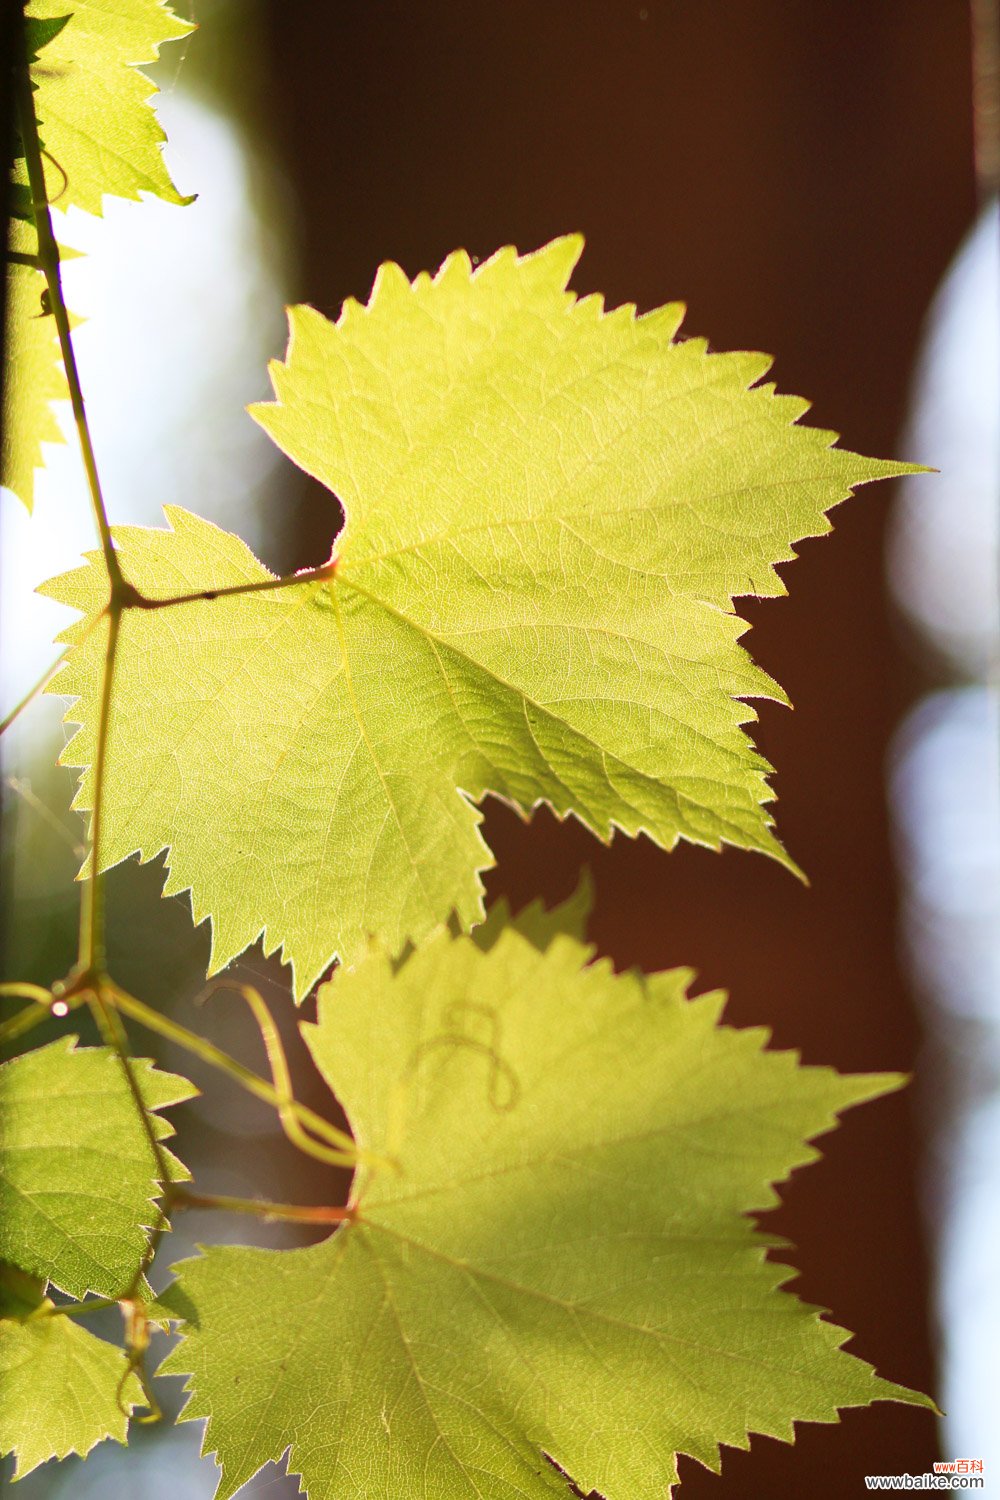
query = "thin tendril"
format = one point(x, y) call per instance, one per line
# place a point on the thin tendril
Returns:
point(209, 1053)
point(282, 1077)
point(289, 1212)
point(33, 692)
point(23, 789)
point(47, 676)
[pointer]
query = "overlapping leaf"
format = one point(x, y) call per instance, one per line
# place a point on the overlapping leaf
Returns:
point(99, 136)
point(33, 373)
point(78, 1178)
point(97, 128)
point(61, 1389)
point(549, 511)
point(560, 1267)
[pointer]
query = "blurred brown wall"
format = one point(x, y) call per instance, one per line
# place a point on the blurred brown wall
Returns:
point(800, 174)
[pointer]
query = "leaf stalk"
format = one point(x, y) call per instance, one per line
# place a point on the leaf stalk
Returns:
point(290, 1212)
point(50, 263)
point(215, 1057)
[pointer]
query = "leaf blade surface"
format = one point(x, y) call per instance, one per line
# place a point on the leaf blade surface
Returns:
point(99, 133)
point(549, 512)
point(59, 1384)
point(78, 1183)
point(562, 1265)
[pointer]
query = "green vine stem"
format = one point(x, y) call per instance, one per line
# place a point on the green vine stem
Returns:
point(259, 586)
point(281, 1076)
point(90, 972)
point(50, 264)
point(91, 943)
point(200, 1047)
point(89, 981)
point(22, 990)
point(289, 1212)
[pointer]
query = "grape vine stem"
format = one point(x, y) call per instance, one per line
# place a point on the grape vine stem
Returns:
point(49, 263)
point(89, 982)
point(209, 1053)
point(290, 1212)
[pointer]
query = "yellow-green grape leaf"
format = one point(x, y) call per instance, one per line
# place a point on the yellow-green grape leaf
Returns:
point(33, 372)
point(98, 130)
point(537, 922)
point(62, 1390)
point(78, 1177)
point(561, 1265)
point(549, 510)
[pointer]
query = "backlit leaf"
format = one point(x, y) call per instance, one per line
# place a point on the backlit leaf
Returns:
point(561, 1266)
point(549, 511)
point(33, 373)
point(59, 1386)
point(94, 117)
point(78, 1178)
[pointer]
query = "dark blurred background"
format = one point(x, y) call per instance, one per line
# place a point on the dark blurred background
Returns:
point(800, 175)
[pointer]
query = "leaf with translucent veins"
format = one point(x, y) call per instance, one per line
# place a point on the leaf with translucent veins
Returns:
point(78, 1178)
point(99, 133)
point(59, 1384)
point(33, 375)
point(549, 510)
point(562, 1264)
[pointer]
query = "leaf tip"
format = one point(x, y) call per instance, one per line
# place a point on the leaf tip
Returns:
point(559, 257)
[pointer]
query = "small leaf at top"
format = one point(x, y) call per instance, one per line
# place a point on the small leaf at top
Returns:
point(561, 1266)
point(78, 1179)
point(549, 510)
point(94, 118)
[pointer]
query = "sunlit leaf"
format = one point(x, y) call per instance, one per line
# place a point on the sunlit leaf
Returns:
point(560, 1270)
point(61, 1389)
point(97, 128)
point(549, 511)
point(33, 372)
point(78, 1178)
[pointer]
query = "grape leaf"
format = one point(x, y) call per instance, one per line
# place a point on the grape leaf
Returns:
point(78, 1182)
point(96, 125)
point(59, 1384)
point(549, 510)
point(561, 1265)
point(538, 923)
point(33, 375)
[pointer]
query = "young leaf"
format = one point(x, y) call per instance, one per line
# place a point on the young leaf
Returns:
point(78, 1180)
point(560, 1267)
point(33, 373)
point(59, 1385)
point(96, 125)
point(549, 512)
